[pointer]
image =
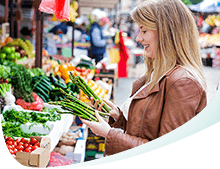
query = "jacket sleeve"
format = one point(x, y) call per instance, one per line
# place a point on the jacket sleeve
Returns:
point(96, 37)
point(184, 100)
point(120, 123)
point(117, 141)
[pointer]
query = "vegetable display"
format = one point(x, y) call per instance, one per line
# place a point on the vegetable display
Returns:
point(77, 80)
point(13, 120)
point(77, 107)
point(11, 129)
point(47, 88)
point(21, 145)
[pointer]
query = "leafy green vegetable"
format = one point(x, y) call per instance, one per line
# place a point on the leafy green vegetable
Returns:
point(37, 72)
point(21, 81)
point(13, 130)
point(14, 119)
point(4, 71)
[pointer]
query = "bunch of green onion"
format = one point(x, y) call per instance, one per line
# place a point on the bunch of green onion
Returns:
point(80, 82)
point(76, 107)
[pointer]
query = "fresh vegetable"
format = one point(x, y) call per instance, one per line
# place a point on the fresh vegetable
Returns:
point(4, 88)
point(4, 71)
point(21, 81)
point(22, 145)
point(77, 107)
point(24, 117)
point(77, 80)
point(12, 129)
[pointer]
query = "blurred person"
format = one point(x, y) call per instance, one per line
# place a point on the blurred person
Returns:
point(173, 89)
point(98, 41)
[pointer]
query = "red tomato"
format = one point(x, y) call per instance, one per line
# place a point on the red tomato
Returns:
point(11, 151)
point(37, 144)
point(15, 143)
point(20, 147)
point(27, 150)
point(17, 140)
point(9, 142)
point(33, 141)
point(27, 141)
point(23, 140)
point(9, 147)
point(9, 139)
point(21, 144)
point(15, 150)
point(26, 145)
point(34, 147)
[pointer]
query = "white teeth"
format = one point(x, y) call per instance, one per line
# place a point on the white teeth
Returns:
point(146, 46)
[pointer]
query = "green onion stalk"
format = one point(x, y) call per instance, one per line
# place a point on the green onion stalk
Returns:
point(79, 81)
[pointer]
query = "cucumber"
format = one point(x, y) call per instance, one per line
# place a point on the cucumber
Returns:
point(42, 97)
point(43, 88)
point(48, 86)
point(42, 92)
point(47, 82)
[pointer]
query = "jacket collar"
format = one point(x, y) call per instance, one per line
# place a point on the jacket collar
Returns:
point(142, 80)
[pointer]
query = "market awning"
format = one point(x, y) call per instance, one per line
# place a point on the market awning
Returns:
point(98, 3)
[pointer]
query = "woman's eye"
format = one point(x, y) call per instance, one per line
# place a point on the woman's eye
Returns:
point(144, 31)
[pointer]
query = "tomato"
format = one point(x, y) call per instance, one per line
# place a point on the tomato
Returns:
point(9, 139)
point(9, 146)
point(37, 144)
point(34, 147)
point(33, 141)
point(9, 142)
point(28, 149)
point(26, 145)
point(20, 144)
point(27, 141)
point(11, 151)
point(17, 140)
point(20, 147)
point(15, 150)
point(23, 140)
point(15, 143)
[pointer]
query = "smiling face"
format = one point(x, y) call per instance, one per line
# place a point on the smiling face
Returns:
point(148, 38)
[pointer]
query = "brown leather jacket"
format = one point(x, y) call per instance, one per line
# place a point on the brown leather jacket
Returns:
point(177, 98)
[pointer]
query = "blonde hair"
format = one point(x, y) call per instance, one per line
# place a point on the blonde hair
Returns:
point(177, 38)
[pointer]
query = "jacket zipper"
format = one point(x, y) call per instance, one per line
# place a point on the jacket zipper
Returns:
point(143, 116)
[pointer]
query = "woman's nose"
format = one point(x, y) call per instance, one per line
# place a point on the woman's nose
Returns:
point(139, 38)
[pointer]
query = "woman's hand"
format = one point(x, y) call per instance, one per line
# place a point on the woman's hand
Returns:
point(100, 128)
point(114, 110)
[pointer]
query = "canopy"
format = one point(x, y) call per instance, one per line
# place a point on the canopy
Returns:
point(206, 6)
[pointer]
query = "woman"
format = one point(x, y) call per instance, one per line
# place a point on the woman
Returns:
point(173, 89)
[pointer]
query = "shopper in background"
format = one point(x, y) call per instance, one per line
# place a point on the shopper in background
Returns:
point(98, 41)
point(173, 89)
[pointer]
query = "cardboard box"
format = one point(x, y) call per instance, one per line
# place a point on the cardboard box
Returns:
point(37, 158)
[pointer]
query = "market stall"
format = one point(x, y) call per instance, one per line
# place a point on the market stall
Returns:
point(41, 99)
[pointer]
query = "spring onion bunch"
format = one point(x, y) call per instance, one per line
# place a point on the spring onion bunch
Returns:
point(77, 80)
